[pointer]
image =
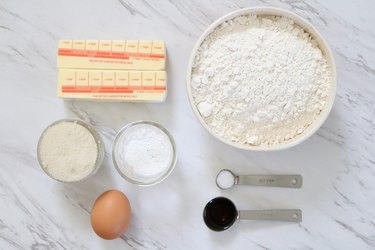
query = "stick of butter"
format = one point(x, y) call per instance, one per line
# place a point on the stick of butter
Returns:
point(112, 54)
point(112, 85)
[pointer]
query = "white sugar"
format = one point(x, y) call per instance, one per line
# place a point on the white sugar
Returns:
point(68, 151)
point(225, 179)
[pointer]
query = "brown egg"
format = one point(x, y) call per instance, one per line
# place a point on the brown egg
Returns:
point(110, 214)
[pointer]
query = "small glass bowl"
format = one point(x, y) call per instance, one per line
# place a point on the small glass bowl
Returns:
point(99, 146)
point(118, 164)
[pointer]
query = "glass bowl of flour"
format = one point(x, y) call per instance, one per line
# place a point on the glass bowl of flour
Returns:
point(144, 153)
point(70, 150)
point(261, 79)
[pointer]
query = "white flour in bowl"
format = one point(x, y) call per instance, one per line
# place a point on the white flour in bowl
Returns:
point(260, 80)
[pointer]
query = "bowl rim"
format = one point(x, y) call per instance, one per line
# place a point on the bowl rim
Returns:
point(303, 23)
point(171, 139)
point(99, 147)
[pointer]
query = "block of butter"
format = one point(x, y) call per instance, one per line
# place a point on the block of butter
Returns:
point(112, 85)
point(112, 54)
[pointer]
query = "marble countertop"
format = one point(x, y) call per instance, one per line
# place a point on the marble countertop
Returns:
point(337, 163)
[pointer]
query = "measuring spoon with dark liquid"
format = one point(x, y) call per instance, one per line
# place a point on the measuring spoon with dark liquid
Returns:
point(220, 214)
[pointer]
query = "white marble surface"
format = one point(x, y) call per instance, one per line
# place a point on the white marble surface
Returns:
point(337, 163)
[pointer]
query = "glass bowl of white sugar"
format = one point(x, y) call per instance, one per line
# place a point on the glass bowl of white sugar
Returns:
point(144, 153)
point(261, 79)
point(70, 150)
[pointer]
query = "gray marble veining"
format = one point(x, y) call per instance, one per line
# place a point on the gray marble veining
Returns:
point(337, 163)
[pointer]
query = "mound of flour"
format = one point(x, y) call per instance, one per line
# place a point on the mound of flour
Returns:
point(260, 80)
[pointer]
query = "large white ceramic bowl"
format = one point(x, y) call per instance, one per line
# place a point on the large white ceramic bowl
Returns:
point(322, 45)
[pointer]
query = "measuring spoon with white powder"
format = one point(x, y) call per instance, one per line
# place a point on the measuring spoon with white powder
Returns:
point(227, 179)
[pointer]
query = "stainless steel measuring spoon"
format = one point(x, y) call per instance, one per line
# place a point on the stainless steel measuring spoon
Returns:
point(227, 179)
point(220, 214)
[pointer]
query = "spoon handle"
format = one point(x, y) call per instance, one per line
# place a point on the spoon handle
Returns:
point(291, 181)
point(293, 215)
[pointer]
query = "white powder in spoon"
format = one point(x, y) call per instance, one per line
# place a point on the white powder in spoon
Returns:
point(225, 179)
point(260, 80)
point(143, 153)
